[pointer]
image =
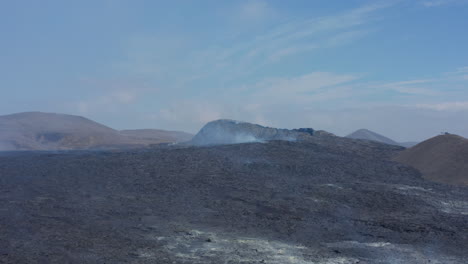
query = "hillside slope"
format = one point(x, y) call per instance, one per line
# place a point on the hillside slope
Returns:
point(50, 131)
point(442, 158)
point(370, 135)
point(46, 131)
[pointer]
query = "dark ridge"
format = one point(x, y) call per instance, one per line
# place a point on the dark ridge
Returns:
point(226, 131)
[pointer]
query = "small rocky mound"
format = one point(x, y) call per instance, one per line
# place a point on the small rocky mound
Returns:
point(442, 158)
point(372, 136)
point(226, 131)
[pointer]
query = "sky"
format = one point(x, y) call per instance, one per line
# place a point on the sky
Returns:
point(399, 68)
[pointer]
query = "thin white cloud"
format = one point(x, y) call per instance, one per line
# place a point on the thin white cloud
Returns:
point(445, 83)
point(446, 106)
point(411, 82)
point(259, 101)
point(231, 58)
point(108, 95)
point(255, 10)
point(110, 102)
point(435, 3)
point(183, 65)
point(289, 51)
point(411, 87)
point(302, 89)
point(196, 113)
point(461, 70)
point(125, 97)
point(274, 101)
point(347, 37)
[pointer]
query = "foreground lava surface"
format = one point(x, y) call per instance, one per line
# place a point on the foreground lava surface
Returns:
point(325, 201)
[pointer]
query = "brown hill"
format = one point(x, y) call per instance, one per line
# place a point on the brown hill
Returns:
point(50, 131)
point(442, 158)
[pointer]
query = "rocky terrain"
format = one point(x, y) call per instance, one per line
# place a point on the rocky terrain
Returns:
point(225, 131)
point(443, 158)
point(366, 134)
point(320, 199)
point(49, 131)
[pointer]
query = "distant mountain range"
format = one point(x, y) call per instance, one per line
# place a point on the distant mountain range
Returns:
point(366, 134)
point(50, 131)
point(442, 158)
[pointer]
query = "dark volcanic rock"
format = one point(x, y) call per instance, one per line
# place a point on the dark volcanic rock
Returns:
point(324, 200)
point(226, 131)
point(309, 131)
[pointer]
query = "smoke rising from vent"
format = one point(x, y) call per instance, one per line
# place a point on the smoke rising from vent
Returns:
point(225, 131)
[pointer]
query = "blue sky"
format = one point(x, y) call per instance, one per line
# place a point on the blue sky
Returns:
point(399, 68)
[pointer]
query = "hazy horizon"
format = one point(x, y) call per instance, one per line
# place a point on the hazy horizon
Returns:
point(399, 68)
